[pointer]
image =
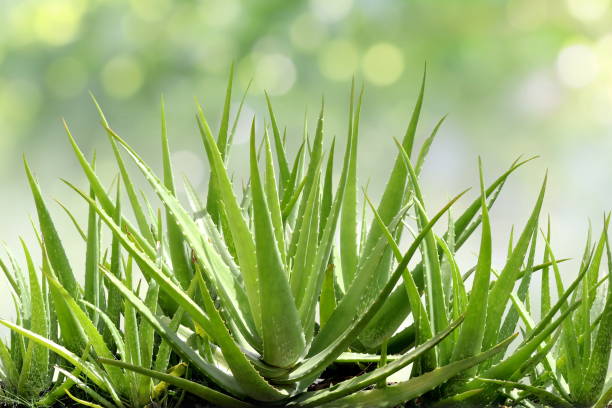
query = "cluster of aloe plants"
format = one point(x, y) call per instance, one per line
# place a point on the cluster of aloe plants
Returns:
point(273, 295)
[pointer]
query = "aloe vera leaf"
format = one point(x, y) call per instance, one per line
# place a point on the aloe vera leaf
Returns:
point(73, 220)
point(348, 217)
point(112, 328)
point(208, 394)
point(114, 302)
point(176, 242)
point(257, 387)
point(395, 310)
point(471, 332)
point(327, 302)
point(272, 198)
point(89, 328)
point(38, 372)
point(228, 285)
point(545, 299)
point(420, 316)
point(327, 195)
point(598, 360)
point(92, 259)
point(57, 254)
point(141, 219)
point(303, 261)
point(279, 146)
point(312, 172)
point(241, 235)
point(92, 372)
point(543, 396)
point(318, 360)
point(436, 302)
point(212, 197)
point(392, 395)
point(426, 146)
point(352, 385)
point(504, 285)
point(283, 339)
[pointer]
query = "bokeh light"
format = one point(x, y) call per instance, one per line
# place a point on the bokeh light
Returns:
point(588, 10)
point(122, 76)
point(577, 65)
point(383, 63)
point(339, 59)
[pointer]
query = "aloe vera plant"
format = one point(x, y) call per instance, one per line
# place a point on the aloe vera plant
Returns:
point(250, 299)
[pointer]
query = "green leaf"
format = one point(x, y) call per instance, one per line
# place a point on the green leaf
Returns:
point(472, 331)
point(281, 156)
point(55, 249)
point(37, 374)
point(227, 284)
point(241, 235)
point(329, 348)
point(199, 390)
point(393, 196)
point(92, 259)
point(541, 395)
point(348, 217)
point(599, 358)
point(139, 214)
point(272, 198)
point(504, 285)
point(434, 293)
point(426, 145)
point(393, 395)
point(176, 244)
point(352, 385)
point(283, 339)
point(88, 369)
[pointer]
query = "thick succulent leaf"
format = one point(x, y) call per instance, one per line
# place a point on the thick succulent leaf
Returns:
point(508, 366)
point(397, 308)
point(426, 146)
point(212, 198)
point(434, 292)
point(504, 285)
point(472, 331)
point(420, 316)
point(139, 214)
point(315, 364)
point(206, 393)
point(92, 259)
point(281, 156)
point(539, 394)
point(89, 328)
point(599, 358)
point(227, 285)
point(55, 249)
point(283, 339)
point(393, 395)
point(241, 235)
point(88, 369)
point(38, 371)
point(392, 198)
point(360, 382)
point(273, 200)
point(240, 366)
point(348, 218)
point(303, 261)
point(176, 241)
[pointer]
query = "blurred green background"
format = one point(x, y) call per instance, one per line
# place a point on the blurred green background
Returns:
point(529, 77)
